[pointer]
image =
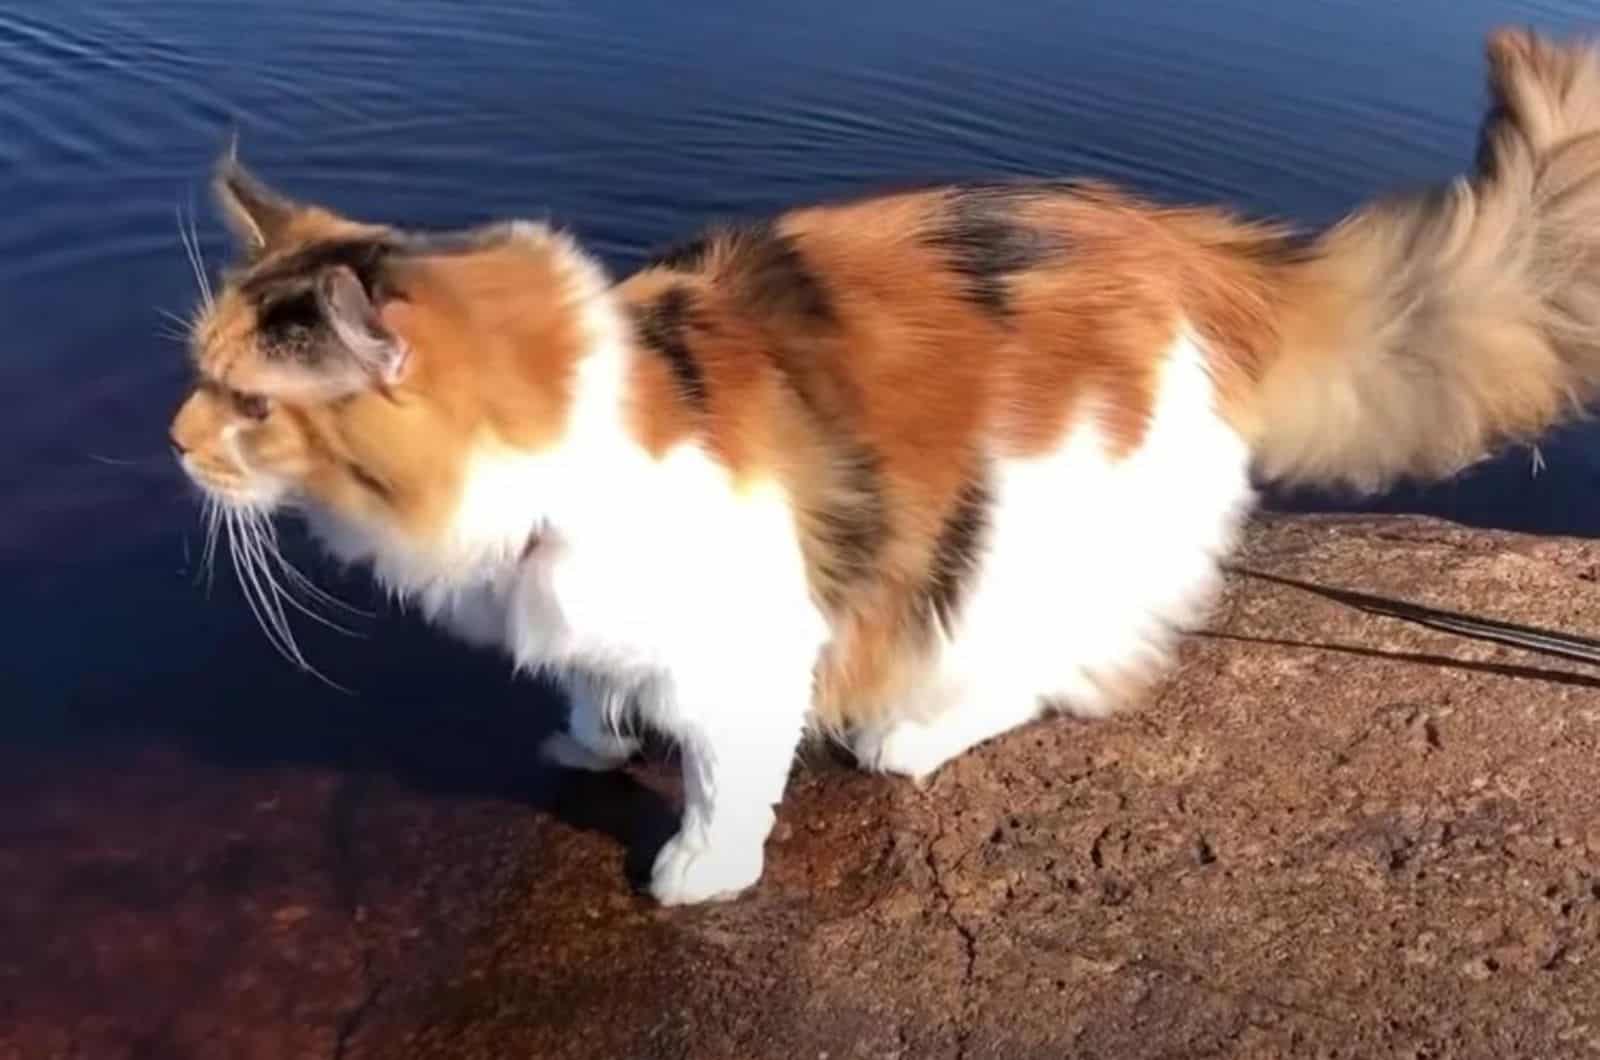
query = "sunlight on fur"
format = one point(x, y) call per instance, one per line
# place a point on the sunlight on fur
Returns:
point(908, 471)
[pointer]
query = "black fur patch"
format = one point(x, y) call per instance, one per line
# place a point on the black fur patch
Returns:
point(956, 553)
point(284, 290)
point(851, 526)
point(291, 323)
point(851, 532)
point(298, 271)
point(663, 326)
point(284, 293)
point(771, 273)
point(766, 268)
point(987, 244)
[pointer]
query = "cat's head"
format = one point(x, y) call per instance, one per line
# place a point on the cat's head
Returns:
point(354, 367)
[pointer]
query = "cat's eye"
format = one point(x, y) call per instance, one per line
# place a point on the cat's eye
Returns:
point(253, 406)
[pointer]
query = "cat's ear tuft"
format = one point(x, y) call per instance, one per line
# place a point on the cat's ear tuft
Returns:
point(257, 215)
point(358, 327)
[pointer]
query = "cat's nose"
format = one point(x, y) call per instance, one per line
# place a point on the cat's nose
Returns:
point(177, 449)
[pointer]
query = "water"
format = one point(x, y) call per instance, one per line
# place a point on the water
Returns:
point(632, 122)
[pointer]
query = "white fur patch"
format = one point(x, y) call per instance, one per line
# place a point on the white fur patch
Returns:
point(1093, 566)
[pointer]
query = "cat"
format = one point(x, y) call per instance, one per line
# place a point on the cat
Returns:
point(909, 470)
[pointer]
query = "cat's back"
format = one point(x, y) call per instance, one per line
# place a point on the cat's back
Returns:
point(930, 316)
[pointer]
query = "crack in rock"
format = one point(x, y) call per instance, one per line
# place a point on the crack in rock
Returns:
point(348, 887)
point(969, 940)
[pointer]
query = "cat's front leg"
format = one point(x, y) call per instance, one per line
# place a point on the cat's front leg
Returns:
point(593, 739)
point(738, 742)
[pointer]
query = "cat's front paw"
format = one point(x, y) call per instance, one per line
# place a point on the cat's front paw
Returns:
point(909, 748)
point(693, 868)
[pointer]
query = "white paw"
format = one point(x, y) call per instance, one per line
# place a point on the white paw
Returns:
point(910, 748)
point(692, 868)
point(567, 751)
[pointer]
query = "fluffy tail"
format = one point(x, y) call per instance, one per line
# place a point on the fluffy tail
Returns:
point(1422, 333)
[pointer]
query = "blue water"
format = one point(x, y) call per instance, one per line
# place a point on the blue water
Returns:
point(631, 122)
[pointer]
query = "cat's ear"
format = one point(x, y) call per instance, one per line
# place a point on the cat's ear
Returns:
point(257, 215)
point(356, 324)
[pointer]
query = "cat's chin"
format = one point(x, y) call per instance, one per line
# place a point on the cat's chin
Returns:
point(337, 536)
point(254, 503)
point(252, 496)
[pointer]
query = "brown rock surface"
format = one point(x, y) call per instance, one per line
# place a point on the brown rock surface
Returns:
point(1330, 835)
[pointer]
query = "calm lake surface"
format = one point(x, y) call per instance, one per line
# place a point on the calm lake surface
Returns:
point(631, 122)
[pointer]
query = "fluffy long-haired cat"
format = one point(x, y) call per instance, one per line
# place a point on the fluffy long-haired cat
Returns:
point(909, 470)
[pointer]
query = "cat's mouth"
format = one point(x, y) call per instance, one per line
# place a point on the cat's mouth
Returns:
point(227, 487)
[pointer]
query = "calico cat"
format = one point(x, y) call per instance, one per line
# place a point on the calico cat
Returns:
point(910, 470)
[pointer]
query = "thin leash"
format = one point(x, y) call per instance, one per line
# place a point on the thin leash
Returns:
point(1567, 646)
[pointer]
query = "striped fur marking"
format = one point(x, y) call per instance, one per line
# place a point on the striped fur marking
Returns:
point(957, 551)
point(849, 527)
point(766, 268)
point(774, 278)
point(987, 243)
point(662, 326)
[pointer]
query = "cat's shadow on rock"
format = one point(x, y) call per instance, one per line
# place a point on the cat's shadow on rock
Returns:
point(639, 815)
point(436, 717)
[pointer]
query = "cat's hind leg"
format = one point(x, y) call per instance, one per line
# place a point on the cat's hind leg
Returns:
point(917, 743)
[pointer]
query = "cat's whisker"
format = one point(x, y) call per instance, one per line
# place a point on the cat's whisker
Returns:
point(118, 461)
point(183, 241)
point(255, 593)
point(242, 573)
point(253, 524)
point(200, 257)
point(269, 552)
point(174, 318)
point(319, 594)
point(192, 253)
point(270, 593)
point(200, 262)
point(211, 512)
point(305, 584)
point(175, 328)
point(316, 593)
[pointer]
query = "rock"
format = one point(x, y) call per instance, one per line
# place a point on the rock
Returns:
point(1328, 834)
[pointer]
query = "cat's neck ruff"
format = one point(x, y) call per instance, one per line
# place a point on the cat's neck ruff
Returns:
point(512, 504)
